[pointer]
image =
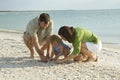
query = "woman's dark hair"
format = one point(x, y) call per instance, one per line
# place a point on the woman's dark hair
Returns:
point(44, 17)
point(67, 32)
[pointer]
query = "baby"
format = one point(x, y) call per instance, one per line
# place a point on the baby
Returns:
point(58, 48)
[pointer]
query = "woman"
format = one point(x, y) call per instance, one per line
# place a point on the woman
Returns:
point(85, 43)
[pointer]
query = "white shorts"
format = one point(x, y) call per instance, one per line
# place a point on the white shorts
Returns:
point(95, 48)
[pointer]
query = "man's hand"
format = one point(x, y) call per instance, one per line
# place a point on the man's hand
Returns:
point(43, 58)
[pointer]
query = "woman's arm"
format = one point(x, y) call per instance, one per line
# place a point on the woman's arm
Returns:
point(37, 47)
point(69, 57)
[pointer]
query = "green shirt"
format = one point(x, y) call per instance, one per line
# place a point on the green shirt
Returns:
point(83, 35)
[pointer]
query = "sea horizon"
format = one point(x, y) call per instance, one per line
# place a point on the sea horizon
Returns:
point(57, 10)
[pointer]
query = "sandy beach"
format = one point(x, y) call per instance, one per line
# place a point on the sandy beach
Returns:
point(16, 65)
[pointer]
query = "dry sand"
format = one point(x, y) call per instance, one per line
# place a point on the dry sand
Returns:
point(16, 65)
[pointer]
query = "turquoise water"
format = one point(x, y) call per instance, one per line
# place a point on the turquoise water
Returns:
point(105, 23)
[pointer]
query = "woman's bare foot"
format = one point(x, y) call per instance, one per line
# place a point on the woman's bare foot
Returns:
point(94, 59)
point(81, 58)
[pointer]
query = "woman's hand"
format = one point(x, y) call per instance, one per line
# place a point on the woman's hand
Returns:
point(69, 57)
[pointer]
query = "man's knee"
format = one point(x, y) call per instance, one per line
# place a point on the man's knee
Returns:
point(27, 37)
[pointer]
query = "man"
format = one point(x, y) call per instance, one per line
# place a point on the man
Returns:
point(37, 32)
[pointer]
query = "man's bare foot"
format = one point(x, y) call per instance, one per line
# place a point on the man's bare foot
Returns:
point(31, 57)
point(48, 57)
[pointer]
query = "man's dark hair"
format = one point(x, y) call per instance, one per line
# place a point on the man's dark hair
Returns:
point(44, 17)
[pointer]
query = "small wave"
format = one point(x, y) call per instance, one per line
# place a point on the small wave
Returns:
point(111, 43)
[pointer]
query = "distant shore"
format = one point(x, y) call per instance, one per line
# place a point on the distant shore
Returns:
point(54, 10)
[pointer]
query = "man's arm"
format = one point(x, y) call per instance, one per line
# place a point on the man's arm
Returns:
point(47, 44)
point(37, 47)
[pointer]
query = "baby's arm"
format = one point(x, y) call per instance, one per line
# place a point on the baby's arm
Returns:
point(60, 53)
point(52, 54)
point(57, 56)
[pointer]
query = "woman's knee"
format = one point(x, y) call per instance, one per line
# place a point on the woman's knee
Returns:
point(82, 49)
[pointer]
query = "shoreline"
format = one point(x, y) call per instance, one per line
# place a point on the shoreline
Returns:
point(11, 31)
point(105, 44)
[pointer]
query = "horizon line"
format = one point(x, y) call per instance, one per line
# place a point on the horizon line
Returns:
point(55, 10)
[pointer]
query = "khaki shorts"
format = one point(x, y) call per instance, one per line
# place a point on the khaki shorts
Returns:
point(28, 35)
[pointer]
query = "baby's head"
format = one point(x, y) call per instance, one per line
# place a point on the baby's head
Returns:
point(55, 39)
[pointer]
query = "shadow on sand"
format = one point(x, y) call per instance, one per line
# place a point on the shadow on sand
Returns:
point(21, 62)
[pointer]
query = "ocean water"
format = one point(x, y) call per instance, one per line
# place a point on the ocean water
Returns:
point(104, 23)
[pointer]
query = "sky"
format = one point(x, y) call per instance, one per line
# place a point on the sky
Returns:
point(58, 4)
